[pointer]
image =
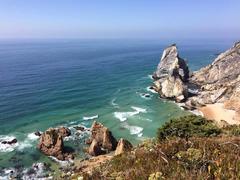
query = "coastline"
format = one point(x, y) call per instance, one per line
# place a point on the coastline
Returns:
point(218, 113)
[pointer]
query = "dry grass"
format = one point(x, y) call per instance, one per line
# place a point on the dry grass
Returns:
point(186, 148)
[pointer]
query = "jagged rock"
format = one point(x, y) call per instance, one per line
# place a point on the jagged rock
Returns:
point(123, 146)
point(38, 133)
point(215, 83)
point(79, 128)
point(219, 81)
point(10, 142)
point(95, 149)
point(171, 75)
point(170, 63)
point(102, 136)
point(64, 132)
point(51, 144)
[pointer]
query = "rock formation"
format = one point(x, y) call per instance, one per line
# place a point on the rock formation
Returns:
point(51, 143)
point(171, 75)
point(123, 146)
point(101, 137)
point(64, 132)
point(218, 82)
point(95, 149)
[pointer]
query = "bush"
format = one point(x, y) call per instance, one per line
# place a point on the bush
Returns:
point(232, 130)
point(188, 126)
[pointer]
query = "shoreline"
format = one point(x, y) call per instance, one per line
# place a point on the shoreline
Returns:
point(219, 114)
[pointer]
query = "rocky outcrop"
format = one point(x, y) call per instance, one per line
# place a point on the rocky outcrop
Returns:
point(218, 81)
point(123, 146)
point(101, 137)
point(10, 142)
point(95, 149)
point(51, 143)
point(64, 132)
point(171, 75)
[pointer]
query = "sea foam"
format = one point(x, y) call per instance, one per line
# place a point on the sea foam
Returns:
point(134, 130)
point(123, 116)
point(151, 90)
point(7, 147)
point(90, 117)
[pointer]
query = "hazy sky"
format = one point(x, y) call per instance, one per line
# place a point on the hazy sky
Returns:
point(119, 18)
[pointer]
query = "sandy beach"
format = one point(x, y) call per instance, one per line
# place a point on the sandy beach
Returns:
point(217, 112)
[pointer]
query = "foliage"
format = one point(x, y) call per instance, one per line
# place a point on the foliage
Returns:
point(197, 158)
point(232, 130)
point(188, 126)
point(186, 148)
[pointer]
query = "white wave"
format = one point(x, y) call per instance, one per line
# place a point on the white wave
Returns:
point(33, 136)
point(151, 90)
point(7, 147)
point(150, 76)
point(145, 96)
point(123, 116)
point(196, 112)
point(148, 120)
point(25, 144)
point(90, 117)
point(62, 163)
point(134, 130)
point(113, 102)
point(38, 171)
point(77, 134)
point(138, 109)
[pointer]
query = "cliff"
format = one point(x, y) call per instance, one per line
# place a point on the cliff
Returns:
point(218, 82)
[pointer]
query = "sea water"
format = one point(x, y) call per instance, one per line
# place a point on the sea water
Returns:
point(51, 83)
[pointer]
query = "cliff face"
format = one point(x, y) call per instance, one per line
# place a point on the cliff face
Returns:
point(171, 75)
point(218, 82)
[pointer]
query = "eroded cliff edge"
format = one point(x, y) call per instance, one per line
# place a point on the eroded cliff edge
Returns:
point(217, 83)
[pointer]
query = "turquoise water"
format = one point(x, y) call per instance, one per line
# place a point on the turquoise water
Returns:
point(50, 83)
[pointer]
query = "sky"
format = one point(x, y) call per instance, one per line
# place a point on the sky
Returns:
point(120, 19)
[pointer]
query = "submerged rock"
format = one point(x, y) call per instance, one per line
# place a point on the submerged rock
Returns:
point(38, 133)
point(10, 142)
point(123, 146)
point(171, 75)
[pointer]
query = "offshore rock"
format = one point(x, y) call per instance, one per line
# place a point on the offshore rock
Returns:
point(123, 146)
point(64, 132)
point(171, 75)
point(102, 136)
point(95, 149)
point(51, 144)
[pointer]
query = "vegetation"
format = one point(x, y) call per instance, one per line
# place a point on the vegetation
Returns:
point(188, 126)
point(186, 148)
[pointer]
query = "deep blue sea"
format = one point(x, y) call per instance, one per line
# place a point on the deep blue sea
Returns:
point(50, 83)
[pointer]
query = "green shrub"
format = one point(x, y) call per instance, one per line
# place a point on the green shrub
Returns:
point(188, 126)
point(232, 130)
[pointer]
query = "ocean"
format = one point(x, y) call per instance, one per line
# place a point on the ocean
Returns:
point(51, 83)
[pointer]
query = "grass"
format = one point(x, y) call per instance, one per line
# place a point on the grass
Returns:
point(189, 147)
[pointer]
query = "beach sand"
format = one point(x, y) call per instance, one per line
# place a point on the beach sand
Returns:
point(218, 113)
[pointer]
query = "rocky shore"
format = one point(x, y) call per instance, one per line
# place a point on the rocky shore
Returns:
point(217, 83)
